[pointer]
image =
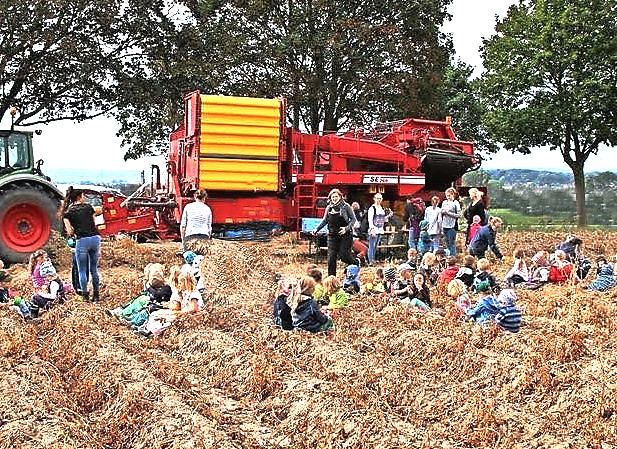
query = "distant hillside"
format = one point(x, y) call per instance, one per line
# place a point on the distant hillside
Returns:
point(524, 176)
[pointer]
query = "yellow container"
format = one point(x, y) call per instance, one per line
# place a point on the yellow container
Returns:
point(239, 143)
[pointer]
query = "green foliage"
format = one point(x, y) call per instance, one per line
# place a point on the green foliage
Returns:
point(337, 62)
point(461, 100)
point(551, 80)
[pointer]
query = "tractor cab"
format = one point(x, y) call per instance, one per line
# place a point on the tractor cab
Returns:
point(15, 151)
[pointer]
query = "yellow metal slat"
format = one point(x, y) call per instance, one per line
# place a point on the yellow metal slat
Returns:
point(238, 174)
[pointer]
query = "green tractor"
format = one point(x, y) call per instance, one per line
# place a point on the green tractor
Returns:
point(29, 201)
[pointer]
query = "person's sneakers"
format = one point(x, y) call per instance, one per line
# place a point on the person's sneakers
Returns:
point(85, 296)
point(96, 296)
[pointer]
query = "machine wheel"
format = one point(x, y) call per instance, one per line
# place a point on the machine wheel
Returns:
point(27, 217)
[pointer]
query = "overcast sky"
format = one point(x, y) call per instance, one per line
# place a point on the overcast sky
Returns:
point(93, 144)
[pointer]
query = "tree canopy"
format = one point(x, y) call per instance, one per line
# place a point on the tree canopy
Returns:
point(551, 80)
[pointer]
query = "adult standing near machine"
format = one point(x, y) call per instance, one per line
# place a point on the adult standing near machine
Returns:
point(340, 219)
point(376, 222)
point(196, 222)
point(78, 218)
point(450, 212)
point(476, 207)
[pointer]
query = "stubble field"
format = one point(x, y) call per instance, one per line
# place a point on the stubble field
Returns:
point(387, 378)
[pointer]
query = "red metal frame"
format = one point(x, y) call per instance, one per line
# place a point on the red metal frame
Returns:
point(407, 157)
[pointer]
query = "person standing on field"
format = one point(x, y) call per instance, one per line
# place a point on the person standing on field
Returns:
point(340, 219)
point(196, 222)
point(476, 207)
point(450, 212)
point(432, 215)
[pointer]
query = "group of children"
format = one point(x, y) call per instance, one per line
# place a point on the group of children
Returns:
point(48, 288)
point(161, 301)
point(309, 303)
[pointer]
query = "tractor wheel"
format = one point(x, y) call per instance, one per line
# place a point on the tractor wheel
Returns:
point(27, 217)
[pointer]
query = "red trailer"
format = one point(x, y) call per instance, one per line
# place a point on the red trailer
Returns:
point(260, 173)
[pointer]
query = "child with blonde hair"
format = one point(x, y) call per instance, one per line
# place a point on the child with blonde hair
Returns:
point(519, 272)
point(561, 269)
point(427, 268)
point(458, 290)
point(305, 312)
point(484, 281)
point(378, 284)
point(467, 272)
point(334, 294)
point(185, 297)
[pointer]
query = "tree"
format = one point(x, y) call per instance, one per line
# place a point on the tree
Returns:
point(76, 59)
point(337, 62)
point(460, 99)
point(551, 79)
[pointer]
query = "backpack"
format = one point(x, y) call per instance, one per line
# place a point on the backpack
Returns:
point(364, 223)
point(419, 208)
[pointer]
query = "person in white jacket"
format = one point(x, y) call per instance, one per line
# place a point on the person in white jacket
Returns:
point(433, 216)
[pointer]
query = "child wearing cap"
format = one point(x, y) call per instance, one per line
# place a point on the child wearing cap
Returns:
point(419, 294)
point(425, 242)
point(400, 288)
point(334, 294)
point(390, 278)
point(509, 315)
point(351, 283)
point(55, 293)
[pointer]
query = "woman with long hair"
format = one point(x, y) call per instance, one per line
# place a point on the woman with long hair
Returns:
point(78, 218)
point(340, 219)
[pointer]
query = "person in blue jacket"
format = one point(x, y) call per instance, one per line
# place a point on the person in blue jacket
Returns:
point(485, 238)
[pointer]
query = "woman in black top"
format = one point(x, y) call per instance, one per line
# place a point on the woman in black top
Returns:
point(476, 207)
point(79, 221)
point(340, 219)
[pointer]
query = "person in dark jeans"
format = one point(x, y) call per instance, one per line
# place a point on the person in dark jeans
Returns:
point(340, 219)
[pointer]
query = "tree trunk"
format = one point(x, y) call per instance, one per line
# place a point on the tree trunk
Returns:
point(579, 189)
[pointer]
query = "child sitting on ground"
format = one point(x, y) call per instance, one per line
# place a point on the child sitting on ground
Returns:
point(55, 293)
point(305, 312)
point(400, 288)
point(412, 258)
point(539, 271)
point(509, 315)
point(484, 281)
point(390, 278)
point(185, 297)
point(605, 280)
point(519, 272)
point(351, 284)
point(418, 294)
point(34, 268)
point(318, 294)
point(427, 268)
point(467, 272)
point(378, 284)
point(449, 273)
point(281, 308)
point(560, 270)
point(458, 291)
point(334, 294)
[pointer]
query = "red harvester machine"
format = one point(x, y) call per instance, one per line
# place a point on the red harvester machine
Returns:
point(261, 174)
